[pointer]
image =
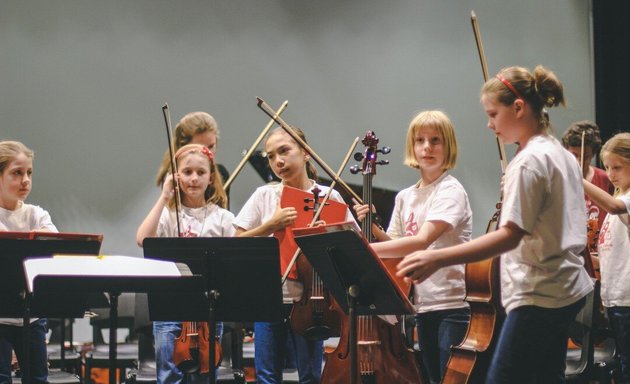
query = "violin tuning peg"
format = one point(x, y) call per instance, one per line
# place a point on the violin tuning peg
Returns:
point(358, 156)
point(354, 169)
point(383, 162)
point(385, 150)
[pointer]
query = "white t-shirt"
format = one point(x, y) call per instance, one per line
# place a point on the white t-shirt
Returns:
point(208, 221)
point(443, 200)
point(24, 219)
point(261, 206)
point(614, 257)
point(543, 195)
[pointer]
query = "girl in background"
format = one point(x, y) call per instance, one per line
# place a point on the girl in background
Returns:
point(433, 213)
point(202, 215)
point(540, 236)
point(614, 244)
point(16, 171)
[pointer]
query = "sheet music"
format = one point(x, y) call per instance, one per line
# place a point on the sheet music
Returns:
point(88, 265)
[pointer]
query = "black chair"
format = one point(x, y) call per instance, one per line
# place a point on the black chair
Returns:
point(126, 353)
point(61, 331)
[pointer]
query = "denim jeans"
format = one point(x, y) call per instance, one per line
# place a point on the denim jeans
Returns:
point(619, 318)
point(532, 346)
point(274, 342)
point(437, 332)
point(11, 339)
point(165, 333)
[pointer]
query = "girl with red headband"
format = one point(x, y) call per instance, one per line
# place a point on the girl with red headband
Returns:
point(202, 214)
point(540, 236)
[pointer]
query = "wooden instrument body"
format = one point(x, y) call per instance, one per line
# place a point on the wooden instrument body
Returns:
point(192, 348)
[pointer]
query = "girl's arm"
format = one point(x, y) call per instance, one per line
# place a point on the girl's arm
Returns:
point(283, 217)
point(149, 226)
point(603, 199)
point(419, 265)
point(429, 232)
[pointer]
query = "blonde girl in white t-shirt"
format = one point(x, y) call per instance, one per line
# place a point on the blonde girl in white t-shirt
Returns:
point(540, 236)
point(614, 243)
point(16, 177)
point(202, 214)
point(433, 213)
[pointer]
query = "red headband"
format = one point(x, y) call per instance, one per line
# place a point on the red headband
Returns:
point(203, 150)
point(510, 87)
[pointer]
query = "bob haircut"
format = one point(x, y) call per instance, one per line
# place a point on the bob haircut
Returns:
point(439, 121)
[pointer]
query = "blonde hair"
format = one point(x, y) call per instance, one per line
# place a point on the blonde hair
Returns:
point(540, 89)
point(214, 193)
point(439, 121)
point(191, 124)
point(311, 172)
point(617, 145)
point(9, 150)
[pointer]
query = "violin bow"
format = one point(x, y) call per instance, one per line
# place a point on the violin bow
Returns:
point(169, 136)
point(251, 150)
point(322, 204)
point(486, 77)
point(265, 108)
point(582, 152)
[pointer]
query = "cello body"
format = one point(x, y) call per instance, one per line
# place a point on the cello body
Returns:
point(383, 356)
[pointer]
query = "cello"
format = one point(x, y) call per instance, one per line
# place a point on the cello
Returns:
point(469, 360)
point(382, 354)
point(191, 351)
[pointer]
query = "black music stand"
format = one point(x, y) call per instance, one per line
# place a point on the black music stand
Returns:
point(356, 277)
point(58, 285)
point(242, 281)
point(16, 302)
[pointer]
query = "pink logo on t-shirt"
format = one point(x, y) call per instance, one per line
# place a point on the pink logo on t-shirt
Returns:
point(603, 232)
point(411, 227)
point(189, 233)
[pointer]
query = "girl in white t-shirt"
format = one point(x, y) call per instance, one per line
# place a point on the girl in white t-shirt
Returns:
point(540, 236)
point(433, 213)
point(202, 215)
point(262, 216)
point(614, 243)
point(16, 170)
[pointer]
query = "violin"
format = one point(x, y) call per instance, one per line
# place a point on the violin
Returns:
point(316, 316)
point(382, 355)
point(469, 361)
point(192, 348)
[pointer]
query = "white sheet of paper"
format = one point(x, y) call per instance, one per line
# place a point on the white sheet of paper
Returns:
point(87, 265)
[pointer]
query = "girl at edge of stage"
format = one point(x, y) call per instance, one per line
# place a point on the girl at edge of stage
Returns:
point(202, 215)
point(16, 170)
point(540, 236)
point(262, 216)
point(614, 244)
point(433, 213)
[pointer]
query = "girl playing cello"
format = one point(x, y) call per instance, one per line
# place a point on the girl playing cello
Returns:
point(541, 232)
point(433, 213)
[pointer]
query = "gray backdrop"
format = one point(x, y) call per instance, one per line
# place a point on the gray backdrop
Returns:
point(82, 83)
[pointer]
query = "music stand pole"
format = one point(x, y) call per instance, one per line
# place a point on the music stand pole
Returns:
point(113, 328)
point(213, 295)
point(26, 338)
point(353, 293)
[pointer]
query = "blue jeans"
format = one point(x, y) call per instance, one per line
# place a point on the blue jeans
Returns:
point(11, 339)
point(165, 333)
point(619, 318)
point(273, 342)
point(437, 332)
point(532, 346)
